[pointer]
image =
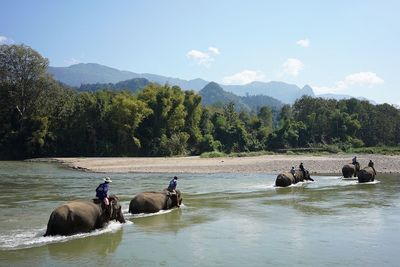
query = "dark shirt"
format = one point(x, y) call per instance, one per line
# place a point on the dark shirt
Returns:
point(172, 185)
point(102, 190)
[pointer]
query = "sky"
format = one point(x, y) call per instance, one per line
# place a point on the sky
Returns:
point(341, 47)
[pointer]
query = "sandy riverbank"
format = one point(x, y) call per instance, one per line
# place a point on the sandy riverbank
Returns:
point(265, 164)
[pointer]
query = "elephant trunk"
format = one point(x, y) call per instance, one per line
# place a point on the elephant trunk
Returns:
point(120, 216)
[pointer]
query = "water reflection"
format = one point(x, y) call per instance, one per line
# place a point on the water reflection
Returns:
point(166, 222)
point(101, 245)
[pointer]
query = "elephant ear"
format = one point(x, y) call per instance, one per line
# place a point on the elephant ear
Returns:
point(168, 203)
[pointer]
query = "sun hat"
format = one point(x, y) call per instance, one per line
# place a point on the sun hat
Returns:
point(107, 180)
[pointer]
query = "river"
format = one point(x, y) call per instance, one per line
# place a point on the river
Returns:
point(225, 220)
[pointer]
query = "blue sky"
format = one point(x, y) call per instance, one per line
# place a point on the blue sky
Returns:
point(342, 47)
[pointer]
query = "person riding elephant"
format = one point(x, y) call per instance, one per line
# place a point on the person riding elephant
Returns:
point(287, 178)
point(83, 216)
point(349, 170)
point(367, 174)
point(172, 188)
point(150, 202)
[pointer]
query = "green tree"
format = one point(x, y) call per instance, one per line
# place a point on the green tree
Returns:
point(24, 87)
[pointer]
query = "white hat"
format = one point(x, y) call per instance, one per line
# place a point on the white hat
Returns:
point(107, 180)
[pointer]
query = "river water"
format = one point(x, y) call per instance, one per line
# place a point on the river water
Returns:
point(226, 220)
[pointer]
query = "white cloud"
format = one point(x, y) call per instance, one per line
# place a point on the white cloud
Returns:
point(72, 61)
point(292, 66)
point(203, 58)
point(214, 50)
point(244, 77)
point(5, 40)
point(363, 79)
point(199, 57)
point(303, 42)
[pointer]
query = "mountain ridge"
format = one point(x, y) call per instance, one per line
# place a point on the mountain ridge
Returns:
point(84, 74)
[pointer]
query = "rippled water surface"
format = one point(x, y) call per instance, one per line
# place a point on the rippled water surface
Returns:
point(226, 220)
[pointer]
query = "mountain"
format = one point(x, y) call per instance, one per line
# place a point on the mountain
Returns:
point(286, 93)
point(213, 93)
point(255, 102)
point(91, 77)
point(92, 73)
point(131, 85)
point(87, 73)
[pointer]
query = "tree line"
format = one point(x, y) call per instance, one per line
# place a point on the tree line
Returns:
point(39, 117)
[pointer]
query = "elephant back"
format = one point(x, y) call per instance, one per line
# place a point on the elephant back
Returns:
point(147, 202)
point(366, 174)
point(284, 179)
point(73, 217)
point(348, 170)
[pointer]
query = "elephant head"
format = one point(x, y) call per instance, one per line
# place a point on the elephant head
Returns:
point(115, 210)
point(173, 201)
point(307, 176)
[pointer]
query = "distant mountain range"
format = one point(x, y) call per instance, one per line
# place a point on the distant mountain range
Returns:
point(89, 73)
point(91, 77)
point(287, 93)
point(213, 93)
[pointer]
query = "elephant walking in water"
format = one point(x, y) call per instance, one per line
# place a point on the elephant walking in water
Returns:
point(150, 202)
point(286, 178)
point(367, 174)
point(349, 170)
point(82, 217)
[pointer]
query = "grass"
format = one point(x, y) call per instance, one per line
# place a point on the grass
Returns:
point(316, 151)
point(217, 154)
point(383, 150)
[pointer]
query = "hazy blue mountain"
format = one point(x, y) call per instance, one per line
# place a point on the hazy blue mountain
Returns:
point(213, 93)
point(91, 77)
point(86, 73)
point(255, 102)
point(195, 84)
point(131, 85)
point(91, 73)
point(286, 93)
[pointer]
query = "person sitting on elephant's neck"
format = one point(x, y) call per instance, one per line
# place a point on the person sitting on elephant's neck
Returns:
point(172, 188)
point(371, 164)
point(102, 192)
point(354, 161)
point(293, 172)
point(301, 167)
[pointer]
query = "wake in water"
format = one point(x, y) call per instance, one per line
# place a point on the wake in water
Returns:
point(142, 215)
point(18, 239)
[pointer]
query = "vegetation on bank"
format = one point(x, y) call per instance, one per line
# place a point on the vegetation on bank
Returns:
point(39, 117)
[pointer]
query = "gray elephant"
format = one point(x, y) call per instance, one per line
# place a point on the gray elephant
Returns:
point(367, 174)
point(83, 216)
point(150, 202)
point(350, 170)
point(287, 178)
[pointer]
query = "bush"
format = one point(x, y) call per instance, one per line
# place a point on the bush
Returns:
point(213, 154)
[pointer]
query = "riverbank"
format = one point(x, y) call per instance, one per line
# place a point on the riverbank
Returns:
point(324, 164)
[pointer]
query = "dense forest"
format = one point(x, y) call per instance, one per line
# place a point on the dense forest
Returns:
point(40, 117)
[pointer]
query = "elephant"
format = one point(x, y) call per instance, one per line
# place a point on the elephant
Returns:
point(349, 170)
point(150, 202)
point(83, 216)
point(286, 178)
point(366, 175)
